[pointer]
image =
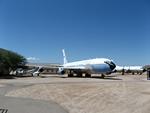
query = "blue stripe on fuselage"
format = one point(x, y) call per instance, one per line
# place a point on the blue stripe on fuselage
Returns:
point(100, 68)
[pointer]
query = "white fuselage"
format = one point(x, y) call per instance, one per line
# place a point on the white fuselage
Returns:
point(93, 66)
point(87, 62)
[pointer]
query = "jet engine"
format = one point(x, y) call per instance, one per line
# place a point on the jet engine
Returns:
point(61, 71)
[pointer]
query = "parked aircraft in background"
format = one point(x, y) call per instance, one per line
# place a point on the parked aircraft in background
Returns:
point(34, 71)
point(130, 69)
point(92, 66)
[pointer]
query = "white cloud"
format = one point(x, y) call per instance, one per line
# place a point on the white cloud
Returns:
point(32, 59)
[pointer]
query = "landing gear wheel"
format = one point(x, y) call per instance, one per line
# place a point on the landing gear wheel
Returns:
point(123, 71)
point(79, 75)
point(70, 75)
point(88, 75)
point(102, 76)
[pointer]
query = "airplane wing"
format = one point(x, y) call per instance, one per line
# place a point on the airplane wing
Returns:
point(75, 68)
point(59, 68)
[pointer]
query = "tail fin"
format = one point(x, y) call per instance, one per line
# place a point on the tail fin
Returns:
point(64, 55)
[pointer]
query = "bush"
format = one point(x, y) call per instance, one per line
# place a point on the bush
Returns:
point(10, 61)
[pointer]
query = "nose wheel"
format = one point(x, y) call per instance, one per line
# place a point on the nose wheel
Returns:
point(102, 76)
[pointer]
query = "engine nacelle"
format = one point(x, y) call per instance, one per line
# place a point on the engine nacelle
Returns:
point(61, 71)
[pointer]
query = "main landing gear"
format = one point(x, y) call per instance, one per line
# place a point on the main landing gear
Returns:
point(88, 75)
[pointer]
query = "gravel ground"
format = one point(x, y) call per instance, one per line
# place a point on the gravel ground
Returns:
point(119, 94)
point(1, 85)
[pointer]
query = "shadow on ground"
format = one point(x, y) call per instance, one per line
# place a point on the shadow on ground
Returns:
point(13, 76)
point(7, 77)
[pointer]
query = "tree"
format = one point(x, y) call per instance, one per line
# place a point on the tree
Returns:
point(10, 61)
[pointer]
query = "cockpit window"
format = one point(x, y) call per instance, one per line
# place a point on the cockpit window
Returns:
point(111, 64)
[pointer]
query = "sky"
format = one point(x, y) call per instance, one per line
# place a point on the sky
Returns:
point(40, 29)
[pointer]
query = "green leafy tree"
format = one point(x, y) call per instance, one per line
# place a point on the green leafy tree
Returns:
point(10, 61)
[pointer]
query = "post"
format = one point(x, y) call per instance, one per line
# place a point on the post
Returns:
point(148, 74)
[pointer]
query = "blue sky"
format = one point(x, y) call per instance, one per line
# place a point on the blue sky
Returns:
point(115, 29)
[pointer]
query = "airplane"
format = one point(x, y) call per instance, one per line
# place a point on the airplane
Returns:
point(92, 66)
point(34, 71)
point(130, 69)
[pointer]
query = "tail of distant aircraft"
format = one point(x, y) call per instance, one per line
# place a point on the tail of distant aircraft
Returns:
point(64, 55)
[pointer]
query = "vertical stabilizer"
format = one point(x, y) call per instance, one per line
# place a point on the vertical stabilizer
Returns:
point(64, 55)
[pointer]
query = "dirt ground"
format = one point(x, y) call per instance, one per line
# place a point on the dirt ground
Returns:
point(114, 94)
point(1, 85)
